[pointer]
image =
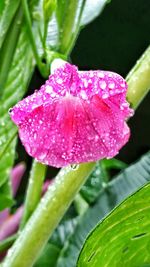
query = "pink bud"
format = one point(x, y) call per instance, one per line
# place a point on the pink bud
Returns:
point(11, 224)
point(16, 176)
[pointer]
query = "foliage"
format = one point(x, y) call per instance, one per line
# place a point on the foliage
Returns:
point(34, 33)
point(125, 183)
point(122, 238)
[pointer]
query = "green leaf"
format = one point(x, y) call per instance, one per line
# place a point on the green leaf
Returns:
point(63, 231)
point(7, 51)
point(71, 16)
point(5, 196)
point(91, 10)
point(18, 79)
point(117, 190)
point(114, 164)
point(49, 256)
point(20, 73)
point(45, 30)
point(123, 237)
point(91, 190)
point(7, 12)
point(99, 178)
point(52, 35)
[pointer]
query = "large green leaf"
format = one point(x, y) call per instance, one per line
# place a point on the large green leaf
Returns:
point(7, 12)
point(123, 237)
point(18, 79)
point(118, 189)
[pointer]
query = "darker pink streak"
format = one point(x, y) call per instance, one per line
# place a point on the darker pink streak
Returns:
point(75, 117)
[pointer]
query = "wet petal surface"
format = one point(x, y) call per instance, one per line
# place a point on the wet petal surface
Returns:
point(75, 117)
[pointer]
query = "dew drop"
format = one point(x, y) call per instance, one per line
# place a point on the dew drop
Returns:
point(85, 83)
point(83, 94)
point(10, 110)
point(74, 167)
point(48, 89)
point(96, 137)
point(111, 85)
point(104, 184)
point(105, 95)
point(3, 123)
point(42, 156)
point(102, 85)
point(100, 75)
point(35, 136)
point(59, 81)
point(123, 85)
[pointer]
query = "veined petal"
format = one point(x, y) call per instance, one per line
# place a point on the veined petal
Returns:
point(75, 117)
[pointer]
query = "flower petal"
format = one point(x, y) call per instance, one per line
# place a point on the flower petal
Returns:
point(75, 117)
point(72, 131)
point(55, 87)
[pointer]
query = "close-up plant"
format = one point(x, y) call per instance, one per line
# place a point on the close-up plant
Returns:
point(74, 159)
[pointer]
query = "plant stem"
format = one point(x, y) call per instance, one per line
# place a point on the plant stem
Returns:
point(42, 67)
point(34, 190)
point(76, 32)
point(138, 80)
point(70, 26)
point(47, 215)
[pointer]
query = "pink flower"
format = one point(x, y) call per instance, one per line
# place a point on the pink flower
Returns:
point(76, 116)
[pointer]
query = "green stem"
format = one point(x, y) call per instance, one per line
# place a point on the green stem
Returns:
point(47, 215)
point(34, 190)
point(70, 27)
point(45, 34)
point(7, 50)
point(80, 204)
point(76, 32)
point(138, 80)
point(5, 244)
point(42, 67)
